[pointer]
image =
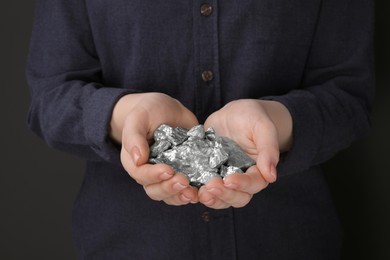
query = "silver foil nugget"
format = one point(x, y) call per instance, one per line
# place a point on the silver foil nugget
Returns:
point(199, 154)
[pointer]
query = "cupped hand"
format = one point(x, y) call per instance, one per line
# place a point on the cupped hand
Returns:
point(263, 129)
point(135, 118)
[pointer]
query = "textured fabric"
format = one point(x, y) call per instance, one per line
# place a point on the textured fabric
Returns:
point(313, 56)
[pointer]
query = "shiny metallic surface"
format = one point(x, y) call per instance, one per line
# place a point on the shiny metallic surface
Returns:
point(200, 155)
point(197, 132)
point(174, 135)
point(237, 157)
point(159, 147)
point(227, 170)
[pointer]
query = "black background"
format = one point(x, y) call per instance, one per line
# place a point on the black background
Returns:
point(38, 185)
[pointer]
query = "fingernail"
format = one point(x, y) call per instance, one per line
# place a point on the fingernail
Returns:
point(273, 172)
point(165, 176)
point(178, 186)
point(215, 191)
point(135, 154)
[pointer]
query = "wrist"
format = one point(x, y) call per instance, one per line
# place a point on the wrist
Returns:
point(121, 109)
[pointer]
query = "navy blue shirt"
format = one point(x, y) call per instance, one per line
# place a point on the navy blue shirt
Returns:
point(314, 56)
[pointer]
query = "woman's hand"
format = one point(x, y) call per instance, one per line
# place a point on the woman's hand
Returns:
point(134, 120)
point(263, 129)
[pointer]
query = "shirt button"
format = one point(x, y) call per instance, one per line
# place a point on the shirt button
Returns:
point(206, 9)
point(207, 75)
point(206, 216)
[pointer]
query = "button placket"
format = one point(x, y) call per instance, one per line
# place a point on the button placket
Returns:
point(206, 10)
point(206, 55)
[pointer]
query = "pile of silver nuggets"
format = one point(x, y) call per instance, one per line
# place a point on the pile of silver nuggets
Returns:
point(199, 154)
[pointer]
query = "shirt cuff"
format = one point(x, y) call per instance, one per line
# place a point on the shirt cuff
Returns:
point(307, 131)
point(97, 117)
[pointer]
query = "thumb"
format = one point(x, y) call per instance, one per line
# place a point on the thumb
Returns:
point(137, 148)
point(134, 139)
point(267, 167)
point(266, 140)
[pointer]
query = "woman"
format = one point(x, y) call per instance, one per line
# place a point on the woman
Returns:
point(290, 82)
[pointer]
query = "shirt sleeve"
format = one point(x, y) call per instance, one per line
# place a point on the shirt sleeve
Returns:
point(70, 105)
point(331, 109)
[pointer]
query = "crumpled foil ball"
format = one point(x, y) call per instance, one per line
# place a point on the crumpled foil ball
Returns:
point(199, 154)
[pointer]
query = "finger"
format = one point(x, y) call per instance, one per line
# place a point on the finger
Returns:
point(147, 174)
point(165, 189)
point(135, 151)
point(266, 140)
point(229, 197)
point(217, 204)
point(250, 182)
point(210, 200)
point(175, 200)
point(207, 198)
point(215, 195)
point(235, 198)
point(186, 196)
point(134, 136)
